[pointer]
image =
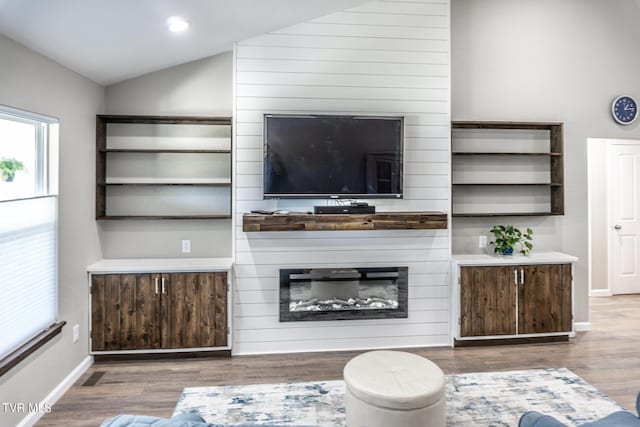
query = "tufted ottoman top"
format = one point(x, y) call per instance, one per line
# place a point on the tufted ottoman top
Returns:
point(394, 380)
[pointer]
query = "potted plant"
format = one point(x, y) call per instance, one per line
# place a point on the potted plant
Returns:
point(9, 167)
point(509, 239)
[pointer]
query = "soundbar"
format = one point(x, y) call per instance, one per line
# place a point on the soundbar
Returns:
point(344, 209)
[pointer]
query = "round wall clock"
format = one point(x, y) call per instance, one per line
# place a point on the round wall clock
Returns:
point(624, 109)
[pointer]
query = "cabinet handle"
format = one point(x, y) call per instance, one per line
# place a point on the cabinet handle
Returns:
point(522, 276)
point(515, 277)
point(156, 282)
point(163, 289)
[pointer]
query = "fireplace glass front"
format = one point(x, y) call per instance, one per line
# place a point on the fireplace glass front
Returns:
point(343, 293)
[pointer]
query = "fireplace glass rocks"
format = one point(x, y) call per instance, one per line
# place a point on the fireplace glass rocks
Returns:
point(343, 293)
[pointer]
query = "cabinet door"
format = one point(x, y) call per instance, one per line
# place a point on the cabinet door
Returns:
point(487, 301)
point(125, 312)
point(194, 310)
point(544, 299)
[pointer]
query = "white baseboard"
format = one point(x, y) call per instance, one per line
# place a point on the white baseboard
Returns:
point(57, 392)
point(600, 293)
point(582, 326)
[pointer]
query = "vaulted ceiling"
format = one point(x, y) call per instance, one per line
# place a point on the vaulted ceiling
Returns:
point(114, 40)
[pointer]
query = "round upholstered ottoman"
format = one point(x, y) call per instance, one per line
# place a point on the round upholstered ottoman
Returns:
point(394, 389)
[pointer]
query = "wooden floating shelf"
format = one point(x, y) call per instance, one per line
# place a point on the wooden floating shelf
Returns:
point(492, 214)
point(334, 222)
point(147, 217)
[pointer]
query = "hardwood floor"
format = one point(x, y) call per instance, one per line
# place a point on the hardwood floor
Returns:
point(608, 357)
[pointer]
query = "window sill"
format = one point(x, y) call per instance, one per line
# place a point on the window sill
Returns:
point(22, 352)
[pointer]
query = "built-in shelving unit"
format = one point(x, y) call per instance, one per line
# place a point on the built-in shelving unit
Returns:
point(507, 169)
point(162, 167)
point(333, 222)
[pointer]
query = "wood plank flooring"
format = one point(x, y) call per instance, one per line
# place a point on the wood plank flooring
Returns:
point(608, 357)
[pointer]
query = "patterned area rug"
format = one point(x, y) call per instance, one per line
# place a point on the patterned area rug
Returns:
point(480, 399)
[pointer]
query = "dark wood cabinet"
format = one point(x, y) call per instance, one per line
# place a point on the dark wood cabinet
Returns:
point(487, 299)
point(515, 300)
point(158, 311)
point(544, 298)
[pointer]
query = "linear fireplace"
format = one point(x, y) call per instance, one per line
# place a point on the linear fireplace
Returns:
point(343, 293)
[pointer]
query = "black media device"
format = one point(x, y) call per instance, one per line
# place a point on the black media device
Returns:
point(332, 157)
point(344, 209)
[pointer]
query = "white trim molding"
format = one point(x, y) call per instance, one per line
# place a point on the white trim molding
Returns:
point(582, 326)
point(600, 293)
point(55, 394)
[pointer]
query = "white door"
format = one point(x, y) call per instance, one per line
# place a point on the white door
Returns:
point(623, 195)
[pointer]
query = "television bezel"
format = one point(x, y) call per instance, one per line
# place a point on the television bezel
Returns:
point(269, 196)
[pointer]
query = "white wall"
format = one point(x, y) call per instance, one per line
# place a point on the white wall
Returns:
point(35, 83)
point(199, 88)
point(387, 58)
point(546, 60)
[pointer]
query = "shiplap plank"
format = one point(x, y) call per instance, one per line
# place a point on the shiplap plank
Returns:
point(408, 8)
point(386, 31)
point(254, 118)
point(373, 234)
point(422, 180)
point(428, 338)
point(255, 270)
point(347, 17)
point(371, 55)
point(371, 105)
point(397, 257)
point(255, 322)
point(341, 80)
point(317, 67)
point(344, 92)
point(304, 41)
point(426, 168)
point(337, 332)
point(415, 281)
point(379, 243)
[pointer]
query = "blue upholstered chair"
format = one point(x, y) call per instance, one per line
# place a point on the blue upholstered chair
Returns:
point(617, 419)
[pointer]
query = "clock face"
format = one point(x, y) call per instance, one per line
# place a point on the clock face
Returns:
point(624, 109)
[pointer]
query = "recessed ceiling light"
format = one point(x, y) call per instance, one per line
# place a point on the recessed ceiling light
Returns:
point(177, 24)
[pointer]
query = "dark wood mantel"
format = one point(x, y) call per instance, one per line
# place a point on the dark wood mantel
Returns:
point(332, 222)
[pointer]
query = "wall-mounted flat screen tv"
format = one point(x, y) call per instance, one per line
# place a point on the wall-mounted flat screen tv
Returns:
point(325, 156)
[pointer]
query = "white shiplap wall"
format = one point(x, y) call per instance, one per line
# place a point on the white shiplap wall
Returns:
point(384, 57)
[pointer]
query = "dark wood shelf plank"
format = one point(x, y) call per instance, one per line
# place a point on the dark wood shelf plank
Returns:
point(498, 214)
point(486, 153)
point(156, 184)
point(146, 217)
point(463, 124)
point(540, 184)
point(182, 120)
point(167, 150)
point(333, 222)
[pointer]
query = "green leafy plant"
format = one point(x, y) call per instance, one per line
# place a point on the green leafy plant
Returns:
point(9, 167)
point(510, 239)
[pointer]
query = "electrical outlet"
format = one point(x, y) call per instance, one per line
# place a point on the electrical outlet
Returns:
point(76, 333)
point(482, 241)
point(186, 246)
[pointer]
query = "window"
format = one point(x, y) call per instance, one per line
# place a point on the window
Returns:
point(28, 228)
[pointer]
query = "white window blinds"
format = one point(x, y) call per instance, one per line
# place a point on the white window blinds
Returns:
point(28, 268)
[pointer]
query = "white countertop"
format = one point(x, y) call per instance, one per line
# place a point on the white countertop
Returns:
point(160, 265)
point(532, 258)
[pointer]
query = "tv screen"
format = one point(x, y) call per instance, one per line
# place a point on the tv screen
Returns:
point(322, 156)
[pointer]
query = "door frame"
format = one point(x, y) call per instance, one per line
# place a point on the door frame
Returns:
point(610, 143)
point(598, 163)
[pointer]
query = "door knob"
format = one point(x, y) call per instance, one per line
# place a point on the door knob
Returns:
point(617, 227)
